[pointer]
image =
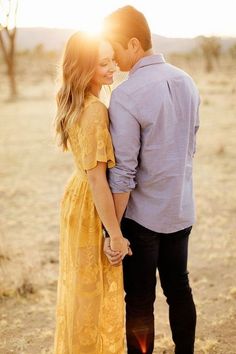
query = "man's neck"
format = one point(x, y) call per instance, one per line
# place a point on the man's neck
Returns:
point(148, 52)
point(142, 54)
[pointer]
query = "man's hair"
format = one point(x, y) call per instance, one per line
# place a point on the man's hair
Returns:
point(126, 23)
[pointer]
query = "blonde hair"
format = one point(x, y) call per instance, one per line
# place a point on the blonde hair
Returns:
point(77, 69)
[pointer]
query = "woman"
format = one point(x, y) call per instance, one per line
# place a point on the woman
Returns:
point(90, 290)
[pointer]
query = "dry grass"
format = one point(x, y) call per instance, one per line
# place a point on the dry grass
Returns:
point(33, 174)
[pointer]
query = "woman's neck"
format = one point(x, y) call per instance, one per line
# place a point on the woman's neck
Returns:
point(95, 90)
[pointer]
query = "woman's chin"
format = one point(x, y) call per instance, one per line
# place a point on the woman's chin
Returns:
point(109, 82)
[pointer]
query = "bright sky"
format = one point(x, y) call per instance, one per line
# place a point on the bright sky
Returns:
point(170, 18)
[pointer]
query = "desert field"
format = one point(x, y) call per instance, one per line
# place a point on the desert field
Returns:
point(33, 173)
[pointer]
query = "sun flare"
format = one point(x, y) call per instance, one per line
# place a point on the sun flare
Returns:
point(92, 28)
point(49, 14)
point(88, 15)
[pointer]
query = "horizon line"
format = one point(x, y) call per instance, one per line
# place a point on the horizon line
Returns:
point(153, 33)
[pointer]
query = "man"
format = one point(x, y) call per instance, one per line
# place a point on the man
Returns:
point(154, 120)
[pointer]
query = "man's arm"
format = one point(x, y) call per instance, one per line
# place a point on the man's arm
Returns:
point(125, 132)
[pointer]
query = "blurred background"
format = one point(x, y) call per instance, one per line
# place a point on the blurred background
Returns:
point(200, 38)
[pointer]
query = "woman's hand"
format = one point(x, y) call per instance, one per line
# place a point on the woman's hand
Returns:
point(116, 257)
point(122, 245)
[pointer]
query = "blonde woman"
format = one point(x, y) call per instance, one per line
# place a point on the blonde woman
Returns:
point(89, 317)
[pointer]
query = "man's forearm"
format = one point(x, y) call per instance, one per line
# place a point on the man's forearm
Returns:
point(120, 201)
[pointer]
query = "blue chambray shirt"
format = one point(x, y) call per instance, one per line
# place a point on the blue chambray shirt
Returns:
point(153, 124)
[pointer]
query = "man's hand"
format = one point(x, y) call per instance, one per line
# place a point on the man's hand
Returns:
point(114, 257)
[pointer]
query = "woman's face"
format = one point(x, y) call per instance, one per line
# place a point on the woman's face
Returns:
point(106, 65)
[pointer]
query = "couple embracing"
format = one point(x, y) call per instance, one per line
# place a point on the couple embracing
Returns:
point(128, 209)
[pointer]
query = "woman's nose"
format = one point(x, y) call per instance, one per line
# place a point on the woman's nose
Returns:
point(112, 66)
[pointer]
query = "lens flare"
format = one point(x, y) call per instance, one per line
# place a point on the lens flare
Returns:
point(141, 336)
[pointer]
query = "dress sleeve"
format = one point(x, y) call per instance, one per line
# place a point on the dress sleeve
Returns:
point(96, 139)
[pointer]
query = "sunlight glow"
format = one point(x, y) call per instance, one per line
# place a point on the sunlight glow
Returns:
point(92, 29)
point(182, 18)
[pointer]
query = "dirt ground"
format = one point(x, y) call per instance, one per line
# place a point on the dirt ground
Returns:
point(32, 177)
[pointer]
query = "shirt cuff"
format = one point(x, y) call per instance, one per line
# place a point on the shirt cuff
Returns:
point(121, 184)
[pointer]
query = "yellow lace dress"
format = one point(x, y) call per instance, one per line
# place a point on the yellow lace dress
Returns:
point(90, 305)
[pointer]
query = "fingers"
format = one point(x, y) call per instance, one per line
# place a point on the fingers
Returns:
point(116, 264)
point(107, 248)
point(115, 257)
point(130, 253)
point(115, 260)
point(111, 253)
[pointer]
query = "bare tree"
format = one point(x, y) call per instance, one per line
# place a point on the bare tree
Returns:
point(8, 11)
point(211, 49)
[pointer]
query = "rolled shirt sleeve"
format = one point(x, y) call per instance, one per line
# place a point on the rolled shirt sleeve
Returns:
point(125, 133)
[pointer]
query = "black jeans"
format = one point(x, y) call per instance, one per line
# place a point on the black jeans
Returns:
point(168, 253)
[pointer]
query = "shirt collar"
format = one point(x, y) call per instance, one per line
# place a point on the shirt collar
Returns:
point(149, 60)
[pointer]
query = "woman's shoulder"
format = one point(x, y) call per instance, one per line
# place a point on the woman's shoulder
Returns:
point(93, 103)
point(94, 110)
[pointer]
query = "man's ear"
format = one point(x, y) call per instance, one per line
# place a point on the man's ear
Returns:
point(134, 44)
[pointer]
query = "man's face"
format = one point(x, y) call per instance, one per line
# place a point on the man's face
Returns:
point(123, 57)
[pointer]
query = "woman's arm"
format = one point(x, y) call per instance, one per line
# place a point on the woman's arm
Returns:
point(120, 201)
point(104, 203)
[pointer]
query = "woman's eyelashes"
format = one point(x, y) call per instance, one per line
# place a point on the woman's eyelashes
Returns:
point(108, 62)
point(104, 64)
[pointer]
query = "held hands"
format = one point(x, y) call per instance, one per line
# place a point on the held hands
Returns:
point(116, 250)
point(120, 244)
